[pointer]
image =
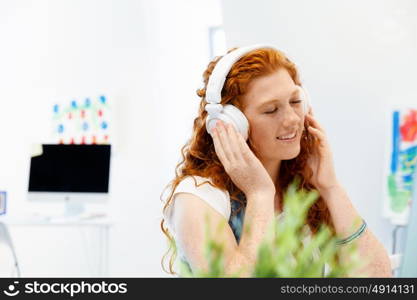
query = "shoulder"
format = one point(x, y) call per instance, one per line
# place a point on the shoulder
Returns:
point(204, 190)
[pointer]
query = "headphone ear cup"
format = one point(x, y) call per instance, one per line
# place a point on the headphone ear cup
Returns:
point(211, 121)
point(306, 100)
point(231, 115)
point(305, 108)
point(236, 117)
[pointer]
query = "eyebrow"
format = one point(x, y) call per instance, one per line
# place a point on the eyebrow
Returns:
point(275, 100)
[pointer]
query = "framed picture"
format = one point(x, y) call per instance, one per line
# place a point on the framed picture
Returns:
point(3, 200)
point(401, 165)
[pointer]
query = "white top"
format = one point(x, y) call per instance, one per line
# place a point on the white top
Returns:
point(218, 199)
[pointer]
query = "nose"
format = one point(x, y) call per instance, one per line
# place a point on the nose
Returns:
point(290, 118)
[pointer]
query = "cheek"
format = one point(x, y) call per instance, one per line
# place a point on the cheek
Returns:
point(260, 127)
point(260, 138)
point(262, 133)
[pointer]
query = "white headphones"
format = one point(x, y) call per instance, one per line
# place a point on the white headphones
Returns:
point(230, 113)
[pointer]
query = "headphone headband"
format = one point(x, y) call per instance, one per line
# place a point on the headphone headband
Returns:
point(222, 68)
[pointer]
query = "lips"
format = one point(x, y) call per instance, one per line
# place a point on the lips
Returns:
point(288, 136)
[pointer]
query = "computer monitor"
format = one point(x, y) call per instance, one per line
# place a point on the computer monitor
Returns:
point(408, 266)
point(72, 173)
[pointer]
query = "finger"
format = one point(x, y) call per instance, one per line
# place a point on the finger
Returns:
point(315, 123)
point(318, 134)
point(321, 149)
point(234, 142)
point(242, 147)
point(218, 147)
point(240, 142)
point(245, 151)
point(225, 140)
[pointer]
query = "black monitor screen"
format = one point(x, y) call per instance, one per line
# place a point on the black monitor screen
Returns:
point(71, 168)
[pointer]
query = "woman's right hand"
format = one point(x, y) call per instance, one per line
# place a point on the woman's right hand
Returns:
point(239, 162)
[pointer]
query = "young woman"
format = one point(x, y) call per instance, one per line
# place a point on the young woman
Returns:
point(225, 178)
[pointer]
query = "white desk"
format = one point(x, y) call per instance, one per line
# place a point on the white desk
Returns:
point(102, 224)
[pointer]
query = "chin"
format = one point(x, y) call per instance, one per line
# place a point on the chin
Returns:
point(280, 153)
point(291, 154)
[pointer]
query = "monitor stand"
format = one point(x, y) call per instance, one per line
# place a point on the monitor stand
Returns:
point(73, 208)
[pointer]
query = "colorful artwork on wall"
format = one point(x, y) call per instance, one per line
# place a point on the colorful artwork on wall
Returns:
point(402, 165)
point(83, 121)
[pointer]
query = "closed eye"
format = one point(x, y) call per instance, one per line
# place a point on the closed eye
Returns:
point(272, 111)
point(292, 102)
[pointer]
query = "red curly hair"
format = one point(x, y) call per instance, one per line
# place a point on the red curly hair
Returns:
point(199, 156)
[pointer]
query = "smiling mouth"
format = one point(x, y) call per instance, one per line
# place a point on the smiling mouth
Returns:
point(288, 138)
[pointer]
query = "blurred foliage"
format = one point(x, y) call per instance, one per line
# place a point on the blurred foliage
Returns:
point(289, 248)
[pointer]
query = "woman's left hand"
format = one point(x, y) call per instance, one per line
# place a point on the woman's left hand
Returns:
point(321, 161)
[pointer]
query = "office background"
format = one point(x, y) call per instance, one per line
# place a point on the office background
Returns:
point(357, 59)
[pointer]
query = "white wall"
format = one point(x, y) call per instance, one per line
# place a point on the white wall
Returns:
point(148, 57)
point(357, 58)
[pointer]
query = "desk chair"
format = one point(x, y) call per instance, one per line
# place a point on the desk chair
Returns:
point(8, 259)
